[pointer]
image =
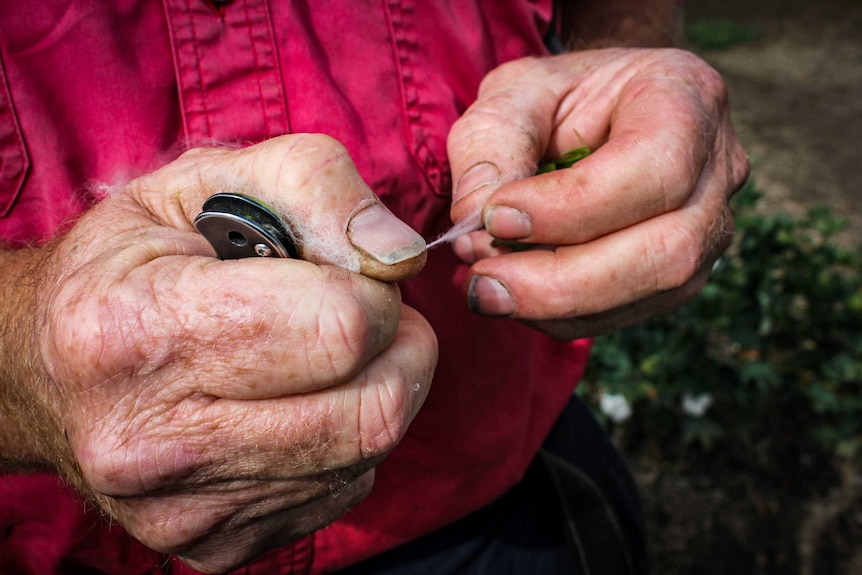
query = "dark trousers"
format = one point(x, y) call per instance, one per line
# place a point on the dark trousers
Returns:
point(576, 511)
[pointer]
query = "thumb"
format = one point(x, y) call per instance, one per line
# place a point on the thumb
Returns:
point(312, 183)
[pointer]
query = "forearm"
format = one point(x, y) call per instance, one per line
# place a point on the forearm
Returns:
point(30, 417)
point(606, 23)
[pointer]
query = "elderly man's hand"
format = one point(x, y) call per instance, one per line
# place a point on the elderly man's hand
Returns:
point(217, 409)
point(630, 231)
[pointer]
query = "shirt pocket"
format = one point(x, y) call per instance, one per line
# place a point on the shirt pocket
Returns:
point(425, 38)
point(14, 160)
point(443, 50)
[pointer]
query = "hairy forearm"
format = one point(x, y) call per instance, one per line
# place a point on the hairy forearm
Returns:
point(30, 431)
point(631, 23)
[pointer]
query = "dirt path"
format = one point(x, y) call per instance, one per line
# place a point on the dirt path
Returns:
point(796, 98)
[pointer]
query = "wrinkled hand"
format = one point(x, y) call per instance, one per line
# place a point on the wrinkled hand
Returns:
point(221, 408)
point(630, 231)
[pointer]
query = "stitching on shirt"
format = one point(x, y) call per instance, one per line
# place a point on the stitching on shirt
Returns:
point(270, 85)
point(396, 56)
point(281, 103)
point(416, 134)
point(201, 84)
point(257, 66)
point(14, 166)
point(193, 33)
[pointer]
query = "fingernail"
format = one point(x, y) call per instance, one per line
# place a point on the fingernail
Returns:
point(488, 296)
point(378, 233)
point(508, 223)
point(481, 174)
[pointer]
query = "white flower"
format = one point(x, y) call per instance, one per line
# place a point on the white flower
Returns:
point(615, 406)
point(696, 405)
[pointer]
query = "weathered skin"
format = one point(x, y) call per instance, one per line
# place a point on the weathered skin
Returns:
point(220, 408)
point(630, 231)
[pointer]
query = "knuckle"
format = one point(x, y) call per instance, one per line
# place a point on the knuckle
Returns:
point(714, 83)
point(112, 472)
point(506, 72)
point(194, 531)
point(73, 334)
point(190, 159)
point(740, 168)
point(348, 324)
point(676, 172)
point(701, 82)
point(681, 254)
point(124, 460)
point(345, 338)
point(87, 330)
point(686, 251)
point(293, 161)
point(324, 144)
point(707, 74)
point(710, 83)
point(199, 152)
point(384, 418)
point(153, 525)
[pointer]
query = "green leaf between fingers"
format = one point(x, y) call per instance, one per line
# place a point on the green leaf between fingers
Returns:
point(567, 160)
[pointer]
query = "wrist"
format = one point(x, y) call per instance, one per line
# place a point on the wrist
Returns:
point(31, 436)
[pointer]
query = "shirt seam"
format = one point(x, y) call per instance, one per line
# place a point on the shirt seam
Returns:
point(20, 161)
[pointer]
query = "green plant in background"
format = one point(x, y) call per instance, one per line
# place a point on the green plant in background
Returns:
point(718, 34)
point(766, 362)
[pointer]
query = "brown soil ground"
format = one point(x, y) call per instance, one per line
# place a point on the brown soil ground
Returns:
point(796, 100)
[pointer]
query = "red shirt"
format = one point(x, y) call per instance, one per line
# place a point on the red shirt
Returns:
point(99, 92)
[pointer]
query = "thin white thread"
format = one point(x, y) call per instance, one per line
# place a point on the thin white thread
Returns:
point(471, 223)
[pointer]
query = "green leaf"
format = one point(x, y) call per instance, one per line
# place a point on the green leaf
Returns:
point(774, 337)
point(567, 160)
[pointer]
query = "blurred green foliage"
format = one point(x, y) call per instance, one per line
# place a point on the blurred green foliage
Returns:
point(718, 34)
point(774, 340)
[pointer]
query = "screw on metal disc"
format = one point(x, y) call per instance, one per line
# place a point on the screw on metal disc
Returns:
point(239, 226)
